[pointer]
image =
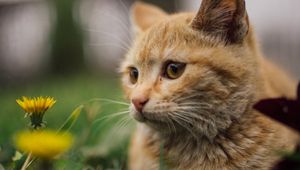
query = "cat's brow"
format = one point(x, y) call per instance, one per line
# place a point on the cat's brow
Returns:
point(146, 62)
point(147, 56)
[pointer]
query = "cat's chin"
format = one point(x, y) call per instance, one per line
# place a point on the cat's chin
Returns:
point(138, 116)
point(147, 118)
point(152, 122)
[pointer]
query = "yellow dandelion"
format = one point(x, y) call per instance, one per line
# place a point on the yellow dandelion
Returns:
point(35, 108)
point(43, 144)
point(36, 105)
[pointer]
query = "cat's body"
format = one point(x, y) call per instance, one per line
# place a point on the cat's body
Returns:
point(202, 116)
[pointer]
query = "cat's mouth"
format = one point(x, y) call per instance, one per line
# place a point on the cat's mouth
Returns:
point(147, 117)
point(139, 116)
point(156, 114)
point(144, 117)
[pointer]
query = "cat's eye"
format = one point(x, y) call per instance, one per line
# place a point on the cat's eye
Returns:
point(174, 70)
point(133, 75)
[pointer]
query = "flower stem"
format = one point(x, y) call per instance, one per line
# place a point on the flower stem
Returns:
point(25, 165)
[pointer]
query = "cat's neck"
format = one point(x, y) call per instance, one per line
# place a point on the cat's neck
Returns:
point(235, 142)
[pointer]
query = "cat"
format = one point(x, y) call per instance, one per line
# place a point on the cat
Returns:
point(192, 80)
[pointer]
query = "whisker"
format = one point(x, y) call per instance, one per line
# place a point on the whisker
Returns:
point(198, 105)
point(190, 109)
point(111, 116)
point(181, 116)
point(195, 103)
point(186, 127)
point(195, 108)
point(108, 100)
point(190, 94)
point(195, 116)
point(173, 125)
point(121, 124)
point(111, 44)
point(114, 17)
point(110, 35)
point(100, 125)
point(124, 6)
point(180, 98)
point(168, 124)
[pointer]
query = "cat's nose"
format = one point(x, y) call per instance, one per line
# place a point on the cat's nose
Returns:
point(139, 103)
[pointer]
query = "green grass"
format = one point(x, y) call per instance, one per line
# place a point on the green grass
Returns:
point(101, 144)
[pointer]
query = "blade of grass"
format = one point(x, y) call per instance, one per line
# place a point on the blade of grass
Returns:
point(71, 119)
point(161, 157)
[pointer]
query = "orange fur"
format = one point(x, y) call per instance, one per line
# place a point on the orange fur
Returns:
point(225, 75)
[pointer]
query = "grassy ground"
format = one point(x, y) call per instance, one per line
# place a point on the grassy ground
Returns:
point(100, 142)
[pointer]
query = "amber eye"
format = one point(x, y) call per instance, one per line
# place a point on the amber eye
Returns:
point(133, 74)
point(174, 70)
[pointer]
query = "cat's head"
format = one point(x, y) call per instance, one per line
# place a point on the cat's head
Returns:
point(188, 72)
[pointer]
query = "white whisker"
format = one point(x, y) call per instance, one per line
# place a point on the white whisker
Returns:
point(194, 103)
point(121, 124)
point(111, 116)
point(111, 36)
point(182, 117)
point(110, 44)
point(195, 116)
point(169, 120)
point(115, 18)
point(186, 127)
point(125, 7)
point(108, 100)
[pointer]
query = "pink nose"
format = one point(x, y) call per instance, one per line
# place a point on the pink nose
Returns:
point(139, 103)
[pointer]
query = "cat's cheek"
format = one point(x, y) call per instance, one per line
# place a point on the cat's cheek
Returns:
point(127, 89)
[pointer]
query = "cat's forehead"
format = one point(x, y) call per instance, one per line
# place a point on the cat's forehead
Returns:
point(153, 44)
point(157, 55)
point(172, 39)
point(157, 44)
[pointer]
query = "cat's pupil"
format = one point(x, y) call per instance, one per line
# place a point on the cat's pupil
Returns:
point(174, 68)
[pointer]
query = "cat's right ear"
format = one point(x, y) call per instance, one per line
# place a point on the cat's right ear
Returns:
point(144, 15)
point(226, 19)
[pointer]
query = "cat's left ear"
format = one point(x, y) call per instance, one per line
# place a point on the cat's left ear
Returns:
point(144, 15)
point(225, 19)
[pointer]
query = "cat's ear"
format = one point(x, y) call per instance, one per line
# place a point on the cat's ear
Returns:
point(144, 15)
point(226, 19)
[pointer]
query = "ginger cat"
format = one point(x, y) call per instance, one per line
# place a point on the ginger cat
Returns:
point(192, 80)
